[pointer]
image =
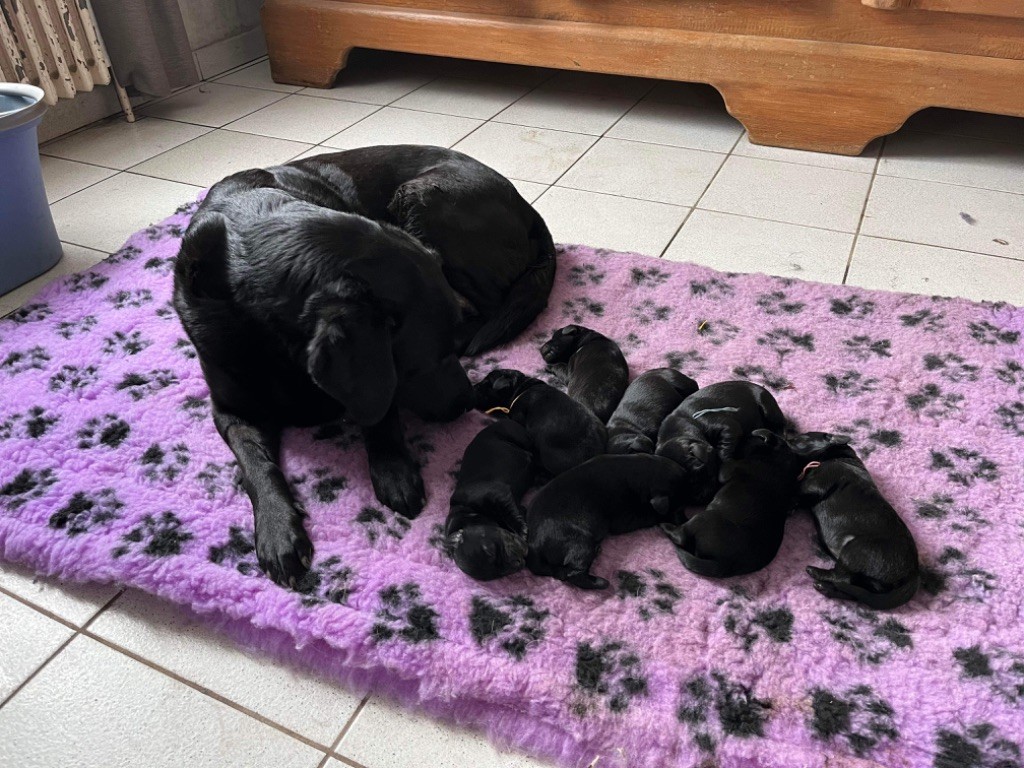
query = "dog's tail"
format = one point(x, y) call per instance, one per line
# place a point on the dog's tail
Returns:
point(527, 296)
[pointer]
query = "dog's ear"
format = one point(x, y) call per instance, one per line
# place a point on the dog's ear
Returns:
point(839, 439)
point(766, 435)
point(701, 452)
point(349, 351)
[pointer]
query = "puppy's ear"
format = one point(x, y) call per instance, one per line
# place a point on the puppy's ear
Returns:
point(349, 352)
point(839, 439)
point(769, 437)
point(701, 452)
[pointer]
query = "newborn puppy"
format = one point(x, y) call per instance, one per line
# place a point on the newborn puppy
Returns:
point(709, 426)
point(596, 372)
point(563, 432)
point(876, 557)
point(741, 530)
point(486, 527)
point(652, 396)
point(570, 516)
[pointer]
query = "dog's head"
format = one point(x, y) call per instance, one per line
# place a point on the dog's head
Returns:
point(498, 388)
point(561, 345)
point(487, 552)
point(349, 350)
point(817, 445)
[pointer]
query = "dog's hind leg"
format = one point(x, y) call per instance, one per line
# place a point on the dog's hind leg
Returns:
point(282, 546)
point(393, 471)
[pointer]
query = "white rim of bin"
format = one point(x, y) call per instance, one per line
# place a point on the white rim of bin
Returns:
point(25, 114)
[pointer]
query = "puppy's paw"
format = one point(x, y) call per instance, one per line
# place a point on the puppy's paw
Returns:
point(283, 548)
point(824, 583)
point(398, 485)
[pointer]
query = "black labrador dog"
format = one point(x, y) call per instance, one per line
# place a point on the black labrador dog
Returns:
point(593, 367)
point(876, 557)
point(563, 431)
point(709, 426)
point(486, 527)
point(570, 516)
point(345, 286)
point(741, 530)
point(653, 395)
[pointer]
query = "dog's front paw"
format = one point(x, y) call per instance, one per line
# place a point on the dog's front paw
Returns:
point(283, 548)
point(824, 582)
point(398, 485)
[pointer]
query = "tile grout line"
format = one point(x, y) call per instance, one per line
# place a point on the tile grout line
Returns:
point(204, 690)
point(863, 212)
point(333, 752)
point(693, 207)
point(78, 632)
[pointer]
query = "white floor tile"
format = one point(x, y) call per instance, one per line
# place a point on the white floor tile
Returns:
point(174, 639)
point(602, 85)
point(404, 126)
point(76, 603)
point(697, 124)
point(324, 150)
point(93, 707)
point(301, 118)
point(212, 104)
point(530, 190)
point(566, 111)
point(977, 220)
point(27, 638)
point(978, 125)
point(76, 259)
point(606, 221)
point(372, 742)
point(738, 244)
point(644, 171)
point(531, 154)
point(116, 143)
point(797, 194)
point(896, 266)
point(257, 76)
point(955, 160)
point(103, 216)
point(463, 98)
point(210, 158)
point(865, 162)
point(64, 177)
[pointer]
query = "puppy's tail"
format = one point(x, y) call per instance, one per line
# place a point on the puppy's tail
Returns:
point(526, 298)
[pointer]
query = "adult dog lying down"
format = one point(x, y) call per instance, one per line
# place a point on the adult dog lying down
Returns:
point(344, 286)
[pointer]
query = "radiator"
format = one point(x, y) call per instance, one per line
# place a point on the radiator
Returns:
point(53, 44)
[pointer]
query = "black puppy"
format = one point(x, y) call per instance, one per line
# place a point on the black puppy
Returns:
point(876, 557)
point(709, 426)
point(570, 516)
point(486, 527)
point(652, 396)
point(741, 530)
point(564, 433)
point(342, 286)
point(595, 370)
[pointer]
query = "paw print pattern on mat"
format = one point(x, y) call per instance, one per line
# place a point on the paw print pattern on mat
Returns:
point(858, 717)
point(777, 303)
point(1011, 417)
point(238, 552)
point(30, 313)
point(717, 332)
point(785, 341)
point(403, 615)
point(514, 624)
point(873, 637)
point(197, 408)
point(1000, 668)
point(978, 746)
point(931, 401)
point(1011, 372)
point(161, 464)
point(713, 707)
point(850, 383)
point(853, 307)
point(86, 511)
point(109, 430)
point(320, 485)
point(86, 281)
point(586, 274)
point(691, 362)
point(33, 424)
point(73, 378)
point(130, 299)
point(20, 361)
point(748, 621)
point(867, 440)
point(763, 376)
point(990, 335)
point(952, 367)
point(608, 674)
point(125, 343)
point(581, 308)
point(156, 535)
point(68, 329)
point(27, 485)
point(713, 288)
point(653, 594)
point(647, 312)
point(964, 466)
point(142, 385)
point(925, 320)
point(942, 507)
point(329, 581)
point(378, 523)
point(953, 577)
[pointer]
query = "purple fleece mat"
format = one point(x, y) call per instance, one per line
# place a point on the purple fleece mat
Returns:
point(110, 470)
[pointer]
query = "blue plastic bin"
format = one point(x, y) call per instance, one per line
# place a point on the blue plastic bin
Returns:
point(28, 240)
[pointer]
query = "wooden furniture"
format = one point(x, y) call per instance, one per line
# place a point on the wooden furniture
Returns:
point(828, 75)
